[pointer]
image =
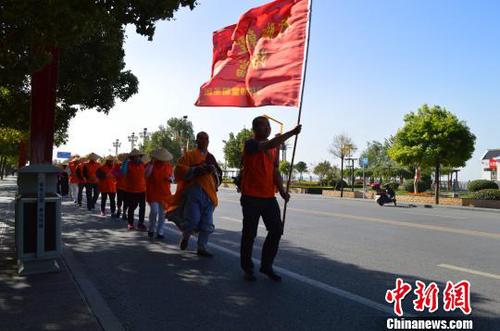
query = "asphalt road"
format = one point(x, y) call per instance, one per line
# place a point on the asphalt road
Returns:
point(338, 259)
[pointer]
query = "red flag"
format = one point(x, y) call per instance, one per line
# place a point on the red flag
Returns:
point(259, 61)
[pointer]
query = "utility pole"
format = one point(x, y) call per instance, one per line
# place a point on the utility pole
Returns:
point(116, 145)
point(132, 139)
point(351, 166)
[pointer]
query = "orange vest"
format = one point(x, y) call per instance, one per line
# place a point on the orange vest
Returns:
point(90, 176)
point(107, 184)
point(73, 179)
point(134, 179)
point(258, 174)
point(158, 183)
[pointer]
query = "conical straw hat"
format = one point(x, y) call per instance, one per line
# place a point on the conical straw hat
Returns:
point(93, 156)
point(162, 155)
point(135, 152)
point(122, 156)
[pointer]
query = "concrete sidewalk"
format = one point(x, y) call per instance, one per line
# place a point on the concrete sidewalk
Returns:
point(36, 302)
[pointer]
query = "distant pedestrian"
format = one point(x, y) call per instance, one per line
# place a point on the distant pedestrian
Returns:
point(91, 182)
point(133, 170)
point(81, 180)
point(159, 173)
point(198, 176)
point(121, 187)
point(73, 178)
point(107, 185)
point(260, 179)
point(63, 181)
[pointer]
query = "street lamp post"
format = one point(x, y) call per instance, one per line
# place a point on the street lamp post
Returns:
point(144, 134)
point(187, 133)
point(225, 175)
point(132, 139)
point(116, 145)
point(283, 146)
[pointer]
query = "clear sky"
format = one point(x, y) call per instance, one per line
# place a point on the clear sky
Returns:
point(370, 62)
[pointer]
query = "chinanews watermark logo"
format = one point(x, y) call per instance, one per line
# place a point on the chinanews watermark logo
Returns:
point(426, 297)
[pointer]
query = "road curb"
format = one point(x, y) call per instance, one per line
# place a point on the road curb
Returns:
point(416, 205)
point(89, 293)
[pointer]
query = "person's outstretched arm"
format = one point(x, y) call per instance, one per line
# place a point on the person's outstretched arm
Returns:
point(279, 140)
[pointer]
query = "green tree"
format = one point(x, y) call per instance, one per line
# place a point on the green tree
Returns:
point(322, 169)
point(380, 164)
point(301, 167)
point(284, 168)
point(233, 147)
point(89, 35)
point(175, 137)
point(342, 147)
point(9, 139)
point(332, 176)
point(433, 136)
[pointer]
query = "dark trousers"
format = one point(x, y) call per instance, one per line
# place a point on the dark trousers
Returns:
point(92, 191)
point(134, 200)
point(253, 209)
point(121, 196)
point(80, 193)
point(112, 205)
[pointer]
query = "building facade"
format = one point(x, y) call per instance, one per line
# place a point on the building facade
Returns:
point(490, 164)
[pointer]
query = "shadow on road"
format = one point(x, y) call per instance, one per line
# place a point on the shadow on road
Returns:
point(137, 274)
point(150, 284)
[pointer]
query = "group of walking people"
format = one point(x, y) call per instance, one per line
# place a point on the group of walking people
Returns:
point(135, 178)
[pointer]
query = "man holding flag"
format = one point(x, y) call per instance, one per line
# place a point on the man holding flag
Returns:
point(261, 61)
point(259, 180)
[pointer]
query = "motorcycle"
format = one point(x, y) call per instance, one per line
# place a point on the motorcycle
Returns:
point(386, 196)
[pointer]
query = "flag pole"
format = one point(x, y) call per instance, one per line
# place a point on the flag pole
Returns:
point(302, 85)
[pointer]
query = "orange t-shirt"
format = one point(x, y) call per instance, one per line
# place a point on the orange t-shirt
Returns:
point(91, 168)
point(73, 178)
point(79, 167)
point(258, 171)
point(158, 182)
point(108, 183)
point(134, 178)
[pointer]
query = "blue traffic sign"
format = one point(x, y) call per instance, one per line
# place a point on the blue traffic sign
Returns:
point(63, 155)
point(363, 162)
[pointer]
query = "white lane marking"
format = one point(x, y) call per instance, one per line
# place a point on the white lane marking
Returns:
point(312, 282)
point(470, 271)
point(434, 215)
point(437, 228)
point(236, 220)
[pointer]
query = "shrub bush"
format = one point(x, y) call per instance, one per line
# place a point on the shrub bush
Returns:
point(488, 194)
point(481, 184)
point(421, 186)
point(394, 185)
point(336, 184)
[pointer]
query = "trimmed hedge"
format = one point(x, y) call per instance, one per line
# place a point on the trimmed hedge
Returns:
point(488, 194)
point(422, 186)
point(481, 184)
